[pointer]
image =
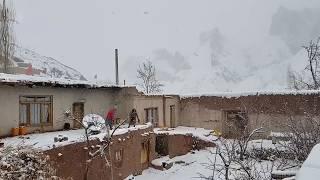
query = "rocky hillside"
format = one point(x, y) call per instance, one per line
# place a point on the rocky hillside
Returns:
point(43, 66)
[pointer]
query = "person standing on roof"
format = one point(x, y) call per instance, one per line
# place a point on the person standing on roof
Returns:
point(133, 116)
point(110, 117)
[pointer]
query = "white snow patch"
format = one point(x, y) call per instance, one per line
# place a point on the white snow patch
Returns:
point(191, 165)
point(252, 93)
point(201, 133)
point(21, 78)
point(45, 141)
point(159, 161)
point(310, 169)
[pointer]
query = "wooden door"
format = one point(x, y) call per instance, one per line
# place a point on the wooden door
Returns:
point(172, 115)
point(78, 114)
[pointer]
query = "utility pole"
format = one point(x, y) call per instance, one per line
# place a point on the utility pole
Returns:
point(117, 67)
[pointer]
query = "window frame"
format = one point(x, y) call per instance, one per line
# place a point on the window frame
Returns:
point(155, 118)
point(145, 152)
point(28, 110)
point(119, 162)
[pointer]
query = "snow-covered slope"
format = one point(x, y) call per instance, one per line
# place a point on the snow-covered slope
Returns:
point(48, 66)
point(228, 69)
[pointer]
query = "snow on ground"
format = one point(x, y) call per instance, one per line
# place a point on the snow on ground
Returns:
point(185, 167)
point(310, 169)
point(195, 164)
point(201, 133)
point(45, 141)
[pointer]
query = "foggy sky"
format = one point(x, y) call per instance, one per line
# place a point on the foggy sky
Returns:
point(84, 33)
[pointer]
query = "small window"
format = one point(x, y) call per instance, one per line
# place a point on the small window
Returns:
point(118, 158)
point(152, 116)
point(35, 110)
point(119, 155)
point(145, 152)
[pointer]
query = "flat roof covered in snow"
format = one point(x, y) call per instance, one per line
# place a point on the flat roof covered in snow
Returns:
point(253, 93)
point(25, 80)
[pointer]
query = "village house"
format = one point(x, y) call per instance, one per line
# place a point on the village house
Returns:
point(270, 110)
point(45, 104)
point(42, 104)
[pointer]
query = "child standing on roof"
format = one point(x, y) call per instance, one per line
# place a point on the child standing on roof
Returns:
point(110, 117)
point(133, 116)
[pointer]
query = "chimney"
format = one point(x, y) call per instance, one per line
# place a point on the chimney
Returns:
point(117, 68)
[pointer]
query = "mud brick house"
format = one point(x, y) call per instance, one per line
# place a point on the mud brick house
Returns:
point(41, 104)
point(270, 110)
point(160, 110)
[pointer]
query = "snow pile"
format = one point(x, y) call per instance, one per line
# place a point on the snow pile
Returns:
point(122, 130)
point(201, 133)
point(310, 169)
point(284, 173)
point(24, 163)
point(159, 161)
point(185, 167)
point(21, 78)
point(45, 141)
point(252, 93)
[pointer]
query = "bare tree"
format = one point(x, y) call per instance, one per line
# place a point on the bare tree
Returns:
point(299, 80)
point(147, 74)
point(7, 18)
point(25, 162)
point(96, 149)
point(228, 165)
point(302, 135)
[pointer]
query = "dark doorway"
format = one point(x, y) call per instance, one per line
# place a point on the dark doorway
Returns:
point(162, 144)
point(78, 114)
point(172, 115)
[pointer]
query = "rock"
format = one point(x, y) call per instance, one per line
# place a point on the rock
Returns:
point(55, 139)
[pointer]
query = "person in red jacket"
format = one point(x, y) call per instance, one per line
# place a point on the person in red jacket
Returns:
point(110, 117)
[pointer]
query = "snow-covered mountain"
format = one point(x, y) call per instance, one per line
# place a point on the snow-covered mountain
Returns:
point(42, 65)
point(225, 69)
point(221, 61)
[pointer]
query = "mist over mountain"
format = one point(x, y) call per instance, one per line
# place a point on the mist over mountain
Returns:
point(296, 27)
point(197, 47)
point(221, 63)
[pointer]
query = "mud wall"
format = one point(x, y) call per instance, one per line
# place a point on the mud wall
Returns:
point(268, 111)
point(72, 162)
point(177, 145)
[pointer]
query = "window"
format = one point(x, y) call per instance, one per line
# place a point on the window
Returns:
point(236, 122)
point(35, 110)
point(119, 155)
point(172, 115)
point(145, 150)
point(152, 115)
point(118, 158)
